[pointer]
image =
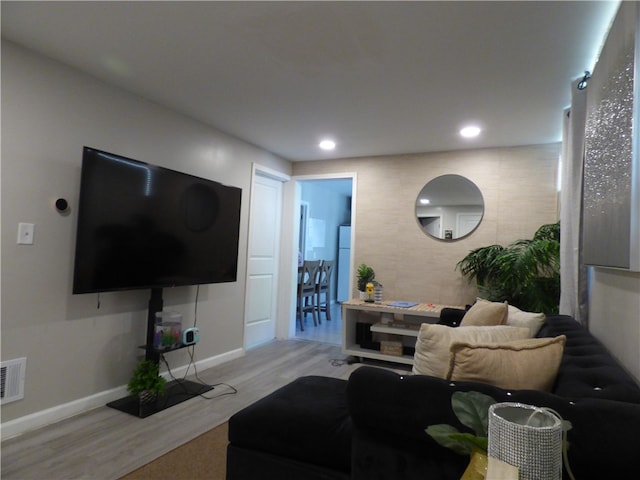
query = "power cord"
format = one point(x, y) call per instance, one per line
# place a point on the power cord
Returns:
point(202, 382)
point(337, 362)
point(192, 362)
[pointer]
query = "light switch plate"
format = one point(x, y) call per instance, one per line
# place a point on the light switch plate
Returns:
point(25, 233)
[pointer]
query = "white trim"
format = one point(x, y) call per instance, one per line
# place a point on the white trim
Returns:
point(51, 415)
point(256, 168)
point(288, 260)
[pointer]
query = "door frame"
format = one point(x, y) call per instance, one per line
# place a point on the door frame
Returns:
point(286, 323)
point(258, 170)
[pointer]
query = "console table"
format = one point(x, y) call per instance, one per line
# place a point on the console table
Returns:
point(401, 323)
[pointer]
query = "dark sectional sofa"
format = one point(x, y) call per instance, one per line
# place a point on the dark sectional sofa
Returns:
point(372, 425)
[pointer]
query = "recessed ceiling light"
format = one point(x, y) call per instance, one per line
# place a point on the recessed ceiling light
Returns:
point(327, 144)
point(470, 132)
point(425, 201)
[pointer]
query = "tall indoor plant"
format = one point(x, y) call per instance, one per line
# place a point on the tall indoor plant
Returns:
point(526, 273)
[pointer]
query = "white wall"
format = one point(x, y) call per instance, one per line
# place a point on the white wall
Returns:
point(331, 208)
point(614, 314)
point(75, 350)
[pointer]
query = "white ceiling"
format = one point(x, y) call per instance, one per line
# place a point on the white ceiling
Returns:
point(378, 77)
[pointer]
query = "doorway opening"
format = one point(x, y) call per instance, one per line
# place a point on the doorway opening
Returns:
point(325, 209)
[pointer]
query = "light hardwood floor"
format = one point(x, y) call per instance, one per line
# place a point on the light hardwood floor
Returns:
point(328, 331)
point(105, 443)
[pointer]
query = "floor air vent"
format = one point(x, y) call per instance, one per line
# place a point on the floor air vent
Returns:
point(12, 374)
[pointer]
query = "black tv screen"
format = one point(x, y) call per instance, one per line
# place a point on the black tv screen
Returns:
point(144, 226)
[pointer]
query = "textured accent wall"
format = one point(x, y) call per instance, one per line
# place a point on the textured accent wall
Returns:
point(519, 189)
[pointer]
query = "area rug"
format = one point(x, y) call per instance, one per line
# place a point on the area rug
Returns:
point(204, 457)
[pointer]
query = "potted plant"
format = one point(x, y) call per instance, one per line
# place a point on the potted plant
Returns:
point(472, 409)
point(525, 273)
point(146, 382)
point(365, 275)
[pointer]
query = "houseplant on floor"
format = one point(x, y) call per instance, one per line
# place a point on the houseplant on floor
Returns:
point(146, 382)
point(526, 273)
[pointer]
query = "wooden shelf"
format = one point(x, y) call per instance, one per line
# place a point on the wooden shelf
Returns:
point(357, 351)
point(406, 330)
point(406, 326)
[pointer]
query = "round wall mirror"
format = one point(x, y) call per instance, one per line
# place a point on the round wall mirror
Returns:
point(449, 207)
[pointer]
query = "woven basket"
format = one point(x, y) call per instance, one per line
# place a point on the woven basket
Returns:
point(526, 437)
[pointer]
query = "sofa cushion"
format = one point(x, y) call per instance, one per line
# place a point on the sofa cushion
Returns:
point(530, 364)
point(306, 421)
point(485, 313)
point(434, 341)
point(520, 318)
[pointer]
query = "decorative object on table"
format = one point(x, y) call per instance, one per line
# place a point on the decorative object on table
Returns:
point(472, 409)
point(146, 382)
point(529, 438)
point(391, 347)
point(365, 275)
point(168, 330)
point(377, 292)
point(525, 273)
point(369, 290)
point(403, 304)
point(478, 464)
point(386, 318)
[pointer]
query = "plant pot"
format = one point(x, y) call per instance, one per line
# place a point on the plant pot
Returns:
point(363, 295)
point(146, 397)
point(477, 468)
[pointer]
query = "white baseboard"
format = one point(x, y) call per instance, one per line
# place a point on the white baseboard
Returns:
point(51, 415)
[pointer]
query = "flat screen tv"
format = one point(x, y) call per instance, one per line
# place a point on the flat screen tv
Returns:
point(145, 226)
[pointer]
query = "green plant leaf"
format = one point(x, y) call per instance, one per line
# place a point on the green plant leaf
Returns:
point(472, 409)
point(526, 273)
point(470, 441)
point(445, 435)
point(365, 275)
point(146, 377)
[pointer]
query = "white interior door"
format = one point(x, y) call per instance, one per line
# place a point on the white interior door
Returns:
point(467, 222)
point(262, 260)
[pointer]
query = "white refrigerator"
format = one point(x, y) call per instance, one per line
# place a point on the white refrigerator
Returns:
point(344, 261)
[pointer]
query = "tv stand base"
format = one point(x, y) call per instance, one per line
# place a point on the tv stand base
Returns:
point(176, 391)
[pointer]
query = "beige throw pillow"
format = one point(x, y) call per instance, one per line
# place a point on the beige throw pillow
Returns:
point(519, 318)
point(434, 343)
point(485, 313)
point(530, 364)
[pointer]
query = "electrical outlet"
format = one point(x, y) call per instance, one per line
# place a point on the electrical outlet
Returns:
point(25, 233)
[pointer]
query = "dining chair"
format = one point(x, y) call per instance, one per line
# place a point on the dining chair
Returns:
point(323, 286)
point(307, 291)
